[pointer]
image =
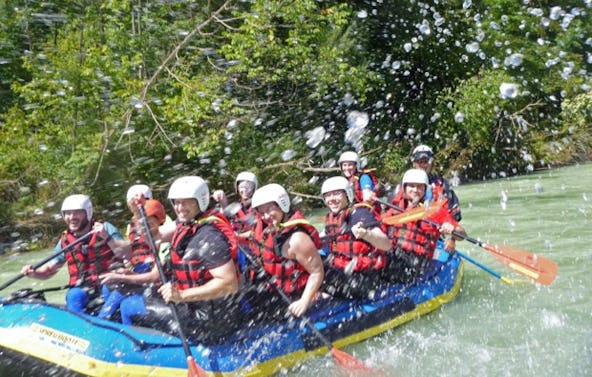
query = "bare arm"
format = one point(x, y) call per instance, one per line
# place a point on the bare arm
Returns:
point(224, 282)
point(130, 278)
point(301, 248)
point(44, 272)
point(374, 236)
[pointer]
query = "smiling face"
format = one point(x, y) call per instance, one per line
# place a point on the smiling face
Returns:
point(335, 200)
point(348, 168)
point(270, 213)
point(423, 163)
point(76, 220)
point(414, 191)
point(186, 209)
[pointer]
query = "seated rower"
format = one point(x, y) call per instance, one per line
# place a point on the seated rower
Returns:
point(243, 219)
point(414, 242)
point(91, 256)
point(204, 276)
point(355, 264)
point(242, 216)
point(127, 286)
point(285, 253)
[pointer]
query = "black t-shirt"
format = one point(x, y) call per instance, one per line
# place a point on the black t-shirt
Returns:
point(362, 214)
point(210, 246)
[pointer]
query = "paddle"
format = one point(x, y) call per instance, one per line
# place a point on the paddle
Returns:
point(343, 358)
point(44, 261)
point(193, 369)
point(534, 267)
point(489, 270)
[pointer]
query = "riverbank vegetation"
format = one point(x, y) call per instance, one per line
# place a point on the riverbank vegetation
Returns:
point(98, 95)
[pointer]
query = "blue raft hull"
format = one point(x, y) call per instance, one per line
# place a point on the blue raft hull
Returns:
point(37, 338)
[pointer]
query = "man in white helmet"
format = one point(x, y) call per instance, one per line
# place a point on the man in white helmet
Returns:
point(202, 259)
point(286, 247)
point(423, 158)
point(414, 243)
point(88, 258)
point(364, 183)
point(355, 264)
point(243, 216)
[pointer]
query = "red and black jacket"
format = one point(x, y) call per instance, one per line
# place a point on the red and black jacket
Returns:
point(344, 246)
point(87, 260)
point(288, 275)
point(193, 273)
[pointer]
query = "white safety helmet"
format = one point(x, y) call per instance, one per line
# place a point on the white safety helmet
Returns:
point(415, 176)
point(338, 183)
point(349, 157)
point(272, 193)
point(422, 151)
point(191, 187)
point(76, 202)
point(139, 190)
point(245, 176)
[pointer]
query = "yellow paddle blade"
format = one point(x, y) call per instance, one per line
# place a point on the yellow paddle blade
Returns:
point(534, 267)
point(414, 214)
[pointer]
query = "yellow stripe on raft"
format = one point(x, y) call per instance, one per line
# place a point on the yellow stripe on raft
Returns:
point(27, 342)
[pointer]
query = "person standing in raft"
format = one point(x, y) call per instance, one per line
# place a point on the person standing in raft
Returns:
point(364, 182)
point(127, 286)
point(205, 280)
point(355, 263)
point(88, 259)
point(285, 250)
point(414, 243)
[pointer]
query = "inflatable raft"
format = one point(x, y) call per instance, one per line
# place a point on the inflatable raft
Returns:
point(42, 339)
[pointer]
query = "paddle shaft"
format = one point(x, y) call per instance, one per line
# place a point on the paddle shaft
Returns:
point(286, 299)
point(534, 267)
point(44, 261)
point(163, 281)
point(485, 268)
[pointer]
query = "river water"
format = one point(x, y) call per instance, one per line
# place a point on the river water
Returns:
point(492, 328)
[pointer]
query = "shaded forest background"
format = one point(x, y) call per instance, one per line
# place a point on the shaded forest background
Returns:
point(99, 95)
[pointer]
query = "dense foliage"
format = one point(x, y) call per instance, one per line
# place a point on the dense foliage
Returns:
point(98, 95)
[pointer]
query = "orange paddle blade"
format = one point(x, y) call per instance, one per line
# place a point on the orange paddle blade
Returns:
point(346, 360)
point(194, 369)
point(414, 214)
point(534, 267)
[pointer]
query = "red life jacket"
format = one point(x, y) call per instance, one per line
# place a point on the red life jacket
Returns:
point(344, 246)
point(355, 182)
point(417, 237)
point(288, 275)
point(192, 273)
point(86, 267)
point(243, 220)
point(141, 250)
